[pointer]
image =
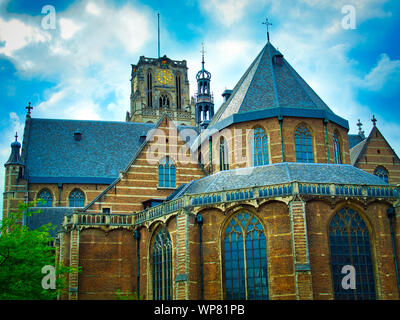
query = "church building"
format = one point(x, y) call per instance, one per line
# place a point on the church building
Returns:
point(269, 197)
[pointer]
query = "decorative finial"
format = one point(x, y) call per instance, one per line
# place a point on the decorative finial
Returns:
point(16, 136)
point(374, 120)
point(359, 125)
point(29, 108)
point(267, 23)
point(202, 54)
point(360, 131)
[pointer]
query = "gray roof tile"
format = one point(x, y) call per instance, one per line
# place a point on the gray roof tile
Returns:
point(266, 85)
point(283, 173)
point(105, 149)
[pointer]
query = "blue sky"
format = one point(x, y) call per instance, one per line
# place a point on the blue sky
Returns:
point(81, 69)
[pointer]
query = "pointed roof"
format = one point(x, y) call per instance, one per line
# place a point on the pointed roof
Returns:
point(15, 157)
point(271, 87)
point(358, 150)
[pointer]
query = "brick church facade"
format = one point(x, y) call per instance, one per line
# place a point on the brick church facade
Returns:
point(267, 198)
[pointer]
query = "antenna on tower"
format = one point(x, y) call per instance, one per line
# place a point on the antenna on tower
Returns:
point(158, 24)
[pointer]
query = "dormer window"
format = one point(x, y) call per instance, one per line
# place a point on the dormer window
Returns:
point(278, 59)
point(77, 135)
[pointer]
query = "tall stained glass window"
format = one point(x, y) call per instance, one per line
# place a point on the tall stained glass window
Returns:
point(149, 89)
point(166, 173)
point(303, 142)
point(223, 155)
point(245, 259)
point(260, 147)
point(350, 245)
point(162, 266)
point(336, 149)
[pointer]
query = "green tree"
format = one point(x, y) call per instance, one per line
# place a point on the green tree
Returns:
point(23, 254)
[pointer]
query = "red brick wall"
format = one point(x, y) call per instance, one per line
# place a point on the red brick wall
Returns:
point(108, 262)
point(240, 148)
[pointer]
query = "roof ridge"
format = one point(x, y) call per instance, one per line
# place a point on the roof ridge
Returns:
point(260, 56)
point(223, 107)
point(93, 121)
point(273, 77)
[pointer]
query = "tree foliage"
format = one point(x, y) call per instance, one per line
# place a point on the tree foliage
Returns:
point(23, 254)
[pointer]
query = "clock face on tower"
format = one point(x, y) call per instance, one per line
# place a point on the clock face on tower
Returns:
point(165, 77)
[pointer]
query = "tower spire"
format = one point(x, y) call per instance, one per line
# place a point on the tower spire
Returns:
point(204, 99)
point(202, 55)
point(158, 29)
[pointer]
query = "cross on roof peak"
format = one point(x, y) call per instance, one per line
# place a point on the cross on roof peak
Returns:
point(29, 108)
point(359, 125)
point(374, 120)
point(267, 23)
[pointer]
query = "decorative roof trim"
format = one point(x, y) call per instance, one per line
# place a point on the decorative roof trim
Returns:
point(83, 180)
point(280, 111)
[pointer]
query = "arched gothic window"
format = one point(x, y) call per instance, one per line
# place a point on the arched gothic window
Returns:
point(76, 198)
point(303, 142)
point(382, 173)
point(245, 259)
point(162, 266)
point(164, 101)
point(260, 147)
point(178, 91)
point(337, 156)
point(166, 173)
point(149, 89)
point(223, 155)
point(47, 198)
point(350, 245)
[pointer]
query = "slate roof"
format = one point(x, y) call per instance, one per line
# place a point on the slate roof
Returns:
point(356, 151)
point(354, 139)
point(52, 155)
point(278, 89)
point(282, 173)
point(53, 215)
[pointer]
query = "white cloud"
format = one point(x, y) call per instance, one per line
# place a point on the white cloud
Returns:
point(93, 8)
point(226, 11)
point(386, 72)
point(68, 28)
point(15, 35)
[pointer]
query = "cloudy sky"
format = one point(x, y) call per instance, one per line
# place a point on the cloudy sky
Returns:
point(81, 68)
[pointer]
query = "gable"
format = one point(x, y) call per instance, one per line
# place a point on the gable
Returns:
point(376, 151)
point(139, 181)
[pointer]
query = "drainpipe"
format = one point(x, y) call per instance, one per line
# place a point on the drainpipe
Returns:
point(211, 164)
point(280, 119)
point(391, 215)
point(199, 221)
point(136, 235)
point(326, 136)
point(60, 185)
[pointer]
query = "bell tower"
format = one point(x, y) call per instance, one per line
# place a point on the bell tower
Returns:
point(204, 97)
point(160, 86)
